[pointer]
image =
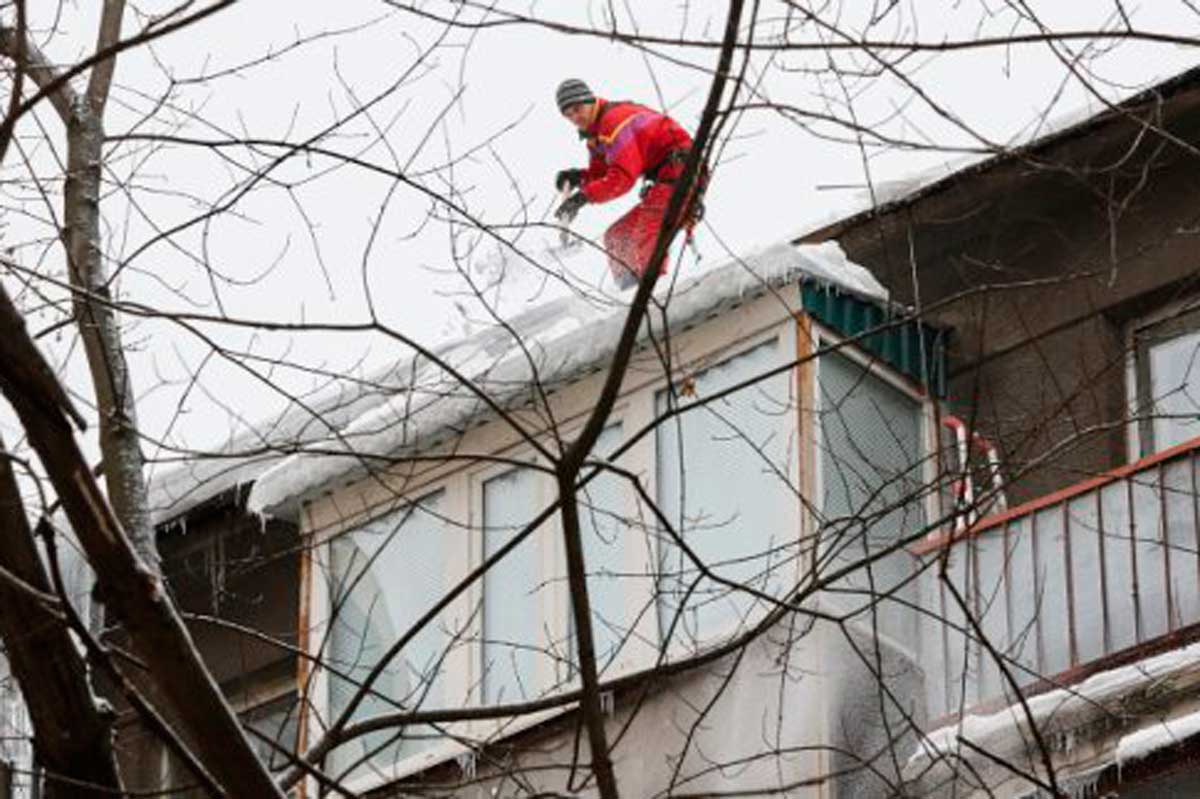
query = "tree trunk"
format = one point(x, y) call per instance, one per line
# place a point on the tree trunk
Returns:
point(98, 324)
point(74, 736)
point(136, 593)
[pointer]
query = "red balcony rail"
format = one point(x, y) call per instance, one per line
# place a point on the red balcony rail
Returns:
point(1068, 580)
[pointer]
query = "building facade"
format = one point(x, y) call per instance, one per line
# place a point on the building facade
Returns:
point(1068, 271)
point(906, 507)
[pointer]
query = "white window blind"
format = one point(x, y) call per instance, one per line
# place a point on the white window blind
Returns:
point(872, 473)
point(726, 480)
point(605, 505)
point(514, 648)
point(386, 575)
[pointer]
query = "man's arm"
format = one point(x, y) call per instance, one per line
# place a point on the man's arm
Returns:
point(614, 178)
point(595, 168)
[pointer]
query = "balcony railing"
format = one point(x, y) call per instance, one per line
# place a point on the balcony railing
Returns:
point(1066, 583)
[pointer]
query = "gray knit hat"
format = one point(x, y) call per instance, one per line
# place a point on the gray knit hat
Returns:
point(572, 91)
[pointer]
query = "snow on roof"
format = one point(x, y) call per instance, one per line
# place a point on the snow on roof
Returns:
point(1043, 131)
point(1158, 736)
point(1058, 711)
point(182, 489)
point(238, 462)
point(567, 338)
point(310, 419)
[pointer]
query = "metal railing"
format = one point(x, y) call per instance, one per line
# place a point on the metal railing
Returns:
point(1065, 583)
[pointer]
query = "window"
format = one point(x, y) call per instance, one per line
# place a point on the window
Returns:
point(606, 529)
point(529, 645)
point(79, 580)
point(387, 574)
point(726, 480)
point(1167, 360)
point(873, 485)
point(515, 648)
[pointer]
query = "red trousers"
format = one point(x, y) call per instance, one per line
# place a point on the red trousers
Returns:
point(630, 240)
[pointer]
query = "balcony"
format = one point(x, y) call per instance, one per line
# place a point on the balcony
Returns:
point(1098, 574)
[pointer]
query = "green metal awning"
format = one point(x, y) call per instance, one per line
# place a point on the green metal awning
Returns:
point(910, 347)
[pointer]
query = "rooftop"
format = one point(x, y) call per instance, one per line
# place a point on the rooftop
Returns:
point(417, 402)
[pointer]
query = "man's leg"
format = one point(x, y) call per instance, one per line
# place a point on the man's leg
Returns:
point(630, 240)
point(620, 241)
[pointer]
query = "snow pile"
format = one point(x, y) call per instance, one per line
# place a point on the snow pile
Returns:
point(1156, 737)
point(552, 344)
point(828, 265)
point(1056, 713)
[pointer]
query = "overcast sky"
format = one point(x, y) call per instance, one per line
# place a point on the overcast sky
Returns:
point(312, 247)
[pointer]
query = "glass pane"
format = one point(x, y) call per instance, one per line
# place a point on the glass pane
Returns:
point(933, 639)
point(279, 722)
point(1118, 566)
point(387, 574)
point(873, 487)
point(735, 504)
point(16, 731)
point(1023, 646)
point(1052, 582)
point(991, 605)
point(513, 644)
point(1175, 389)
point(1181, 533)
point(1086, 565)
point(1151, 554)
point(78, 579)
point(604, 508)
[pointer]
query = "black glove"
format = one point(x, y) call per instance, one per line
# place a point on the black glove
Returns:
point(568, 179)
point(570, 207)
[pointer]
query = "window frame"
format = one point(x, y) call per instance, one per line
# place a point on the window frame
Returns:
point(1183, 314)
point(452, 573)
point(784, 333)
point(823, 336)
point(632, 412)
point(322, 583)
point(477, 477)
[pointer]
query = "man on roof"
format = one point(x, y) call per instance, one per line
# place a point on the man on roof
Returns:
point(625, 141)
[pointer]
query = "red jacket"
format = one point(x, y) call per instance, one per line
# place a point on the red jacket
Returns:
point(625, 140)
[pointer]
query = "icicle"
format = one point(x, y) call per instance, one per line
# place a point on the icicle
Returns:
point(466, 764)
point(1084, 785)
point(607, 703)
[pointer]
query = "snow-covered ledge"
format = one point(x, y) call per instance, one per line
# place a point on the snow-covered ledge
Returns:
point(1157, 737)
point(1087, 713)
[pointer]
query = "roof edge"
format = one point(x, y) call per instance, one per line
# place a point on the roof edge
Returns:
point(1158, 93)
